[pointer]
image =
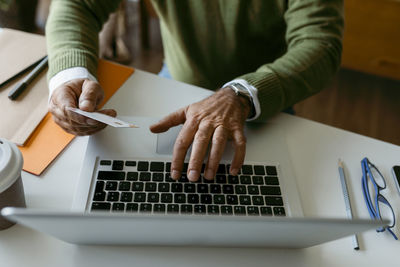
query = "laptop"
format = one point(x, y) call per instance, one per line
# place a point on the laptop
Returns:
point(125, 196)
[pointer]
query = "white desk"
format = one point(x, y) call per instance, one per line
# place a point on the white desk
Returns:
point(314, 148)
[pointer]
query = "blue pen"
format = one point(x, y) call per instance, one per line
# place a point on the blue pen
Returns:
point(347, 200)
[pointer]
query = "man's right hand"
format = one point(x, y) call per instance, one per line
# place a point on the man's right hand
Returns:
point(79, 93)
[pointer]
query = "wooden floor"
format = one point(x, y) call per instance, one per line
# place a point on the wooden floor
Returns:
point(354, 101)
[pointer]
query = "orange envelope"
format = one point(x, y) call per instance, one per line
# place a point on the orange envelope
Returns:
point(48, 140)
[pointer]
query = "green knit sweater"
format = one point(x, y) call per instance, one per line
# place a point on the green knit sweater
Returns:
point(287, 49)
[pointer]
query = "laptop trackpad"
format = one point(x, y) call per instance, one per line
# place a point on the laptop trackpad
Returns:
point(166, 141)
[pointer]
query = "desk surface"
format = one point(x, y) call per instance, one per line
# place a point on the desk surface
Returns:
point(314, 149)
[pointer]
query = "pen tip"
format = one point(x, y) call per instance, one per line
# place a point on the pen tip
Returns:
point(340, 163)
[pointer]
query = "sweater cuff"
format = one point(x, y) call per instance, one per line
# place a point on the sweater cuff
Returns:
point(270, 93)
point(71, 59)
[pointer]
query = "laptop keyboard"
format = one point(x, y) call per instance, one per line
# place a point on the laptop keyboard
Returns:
point(146, 186)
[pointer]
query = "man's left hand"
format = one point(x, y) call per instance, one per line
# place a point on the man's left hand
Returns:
point(217, 118)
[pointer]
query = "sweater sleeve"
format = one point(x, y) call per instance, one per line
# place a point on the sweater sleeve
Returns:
point(314, 45)
point(72, 33)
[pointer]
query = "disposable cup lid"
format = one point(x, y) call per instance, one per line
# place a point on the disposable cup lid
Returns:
point(10, 164)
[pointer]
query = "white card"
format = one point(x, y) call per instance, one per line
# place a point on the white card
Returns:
point(114, 122)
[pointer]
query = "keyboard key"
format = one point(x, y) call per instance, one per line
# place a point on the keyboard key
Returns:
point(233, 179)
point(220, 179)
point(132, 207)
point(240, 189)
point(137, 186)
point(126, 196)
point(202, 188)
point(245, 179)
point(213, 209)
point(221, 169)
point(166, 198)
point(253, 210)
point(219, 199)
point(226, 210)
point(159, 208)
point(185, 167)
point(176, 187)
point(206, 199)
point(111, 186)
point(266, 211)
point(271, 180)
point(153, 197)
point(111, 175)
point(105, 162)
point(200, 209)
point(271, 170)
point(274, 201)
point(180, 198)
point(157, 166)
point(99, 186)
point(279, 211)
point(227, 189)
point(258, 180)
point(168, 178)
point(253, 190)
point(143, 166)
point(158, 177)
point(270, 190)
point(99, 196)
point(163, 187)
point(117, 165)
point(140, 197)
point(215, 188)
point(118, 207)
point(259, 170)
point(145, 176)
point(207, 181)
point(130, 163)
point(190, 188)
point(186, 209)
point(232, 199)
point(193, 198)
point(172, 208)
point(132, 176)
point(183, 178)
point(124, 186)
point(168, 167)
point(144, 207)
point(150, 187)
point(113, 196)
point(258, 200)
point(239, 210)
point(247, 169)
point(101, 206)
point(245, 200)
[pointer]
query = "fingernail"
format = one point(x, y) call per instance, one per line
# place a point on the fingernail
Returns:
point(175, 175)
point(193, 175)
point(234, 172)
point(85, 103)
point(209, 174)
point(91, 122)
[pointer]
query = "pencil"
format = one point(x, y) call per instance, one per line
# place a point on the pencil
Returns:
point(347, 200)
point(20, 87)
point(21, 72)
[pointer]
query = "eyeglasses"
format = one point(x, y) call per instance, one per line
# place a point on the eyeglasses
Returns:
point(378, 204)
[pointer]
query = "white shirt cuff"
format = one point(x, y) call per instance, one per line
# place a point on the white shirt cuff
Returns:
point(253, 92)
point(68, 75)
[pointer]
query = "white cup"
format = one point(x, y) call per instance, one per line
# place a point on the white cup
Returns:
point(11, 187)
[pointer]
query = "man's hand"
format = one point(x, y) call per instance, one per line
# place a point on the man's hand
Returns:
point(218, 118)
point(79, 93)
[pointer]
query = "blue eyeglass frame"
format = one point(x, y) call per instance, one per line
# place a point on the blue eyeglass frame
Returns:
point(379, 198)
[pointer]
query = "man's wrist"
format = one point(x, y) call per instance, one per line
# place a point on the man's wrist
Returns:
point(244, 97)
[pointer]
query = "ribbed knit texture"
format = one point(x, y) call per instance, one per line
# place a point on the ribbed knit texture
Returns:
point(287, 49)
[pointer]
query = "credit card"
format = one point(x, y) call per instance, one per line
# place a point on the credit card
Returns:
point(114, 122)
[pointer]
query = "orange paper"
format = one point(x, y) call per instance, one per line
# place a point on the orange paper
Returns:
point(48, 140)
